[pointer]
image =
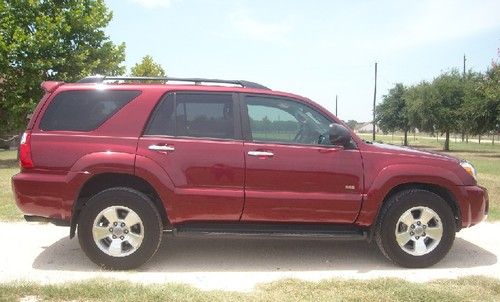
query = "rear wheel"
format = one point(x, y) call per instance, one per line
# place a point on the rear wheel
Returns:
point(416, 228)
point(119, 228)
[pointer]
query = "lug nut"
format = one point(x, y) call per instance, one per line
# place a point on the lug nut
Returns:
point(115, 223)
point(411, 233)
point(114, 236)
point(126, 231)
point(121, 237)
point(423, 234)
point(424, 226)
point(416, 237)
point(111, 230)
point(418, 222)
point(123, 224)
point(412, 226)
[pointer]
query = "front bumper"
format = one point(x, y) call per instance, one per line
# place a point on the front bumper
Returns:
point(475, 205)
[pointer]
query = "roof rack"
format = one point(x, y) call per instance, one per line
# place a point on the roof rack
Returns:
point(197, 81)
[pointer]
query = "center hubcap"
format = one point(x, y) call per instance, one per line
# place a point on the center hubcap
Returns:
point(419, 230)
point(117, 231)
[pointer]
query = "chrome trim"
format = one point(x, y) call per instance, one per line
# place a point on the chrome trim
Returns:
point(260, 153)
point(161, 148)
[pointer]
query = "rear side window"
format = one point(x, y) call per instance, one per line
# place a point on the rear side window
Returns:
point(194, 115)
point(84, 110)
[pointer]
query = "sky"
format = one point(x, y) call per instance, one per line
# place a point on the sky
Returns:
point(317, 49)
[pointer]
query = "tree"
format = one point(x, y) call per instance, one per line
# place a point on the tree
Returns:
point(491, 90)
point(392, 113)
point(449, 96)
point(147, 68)
point(419, 113)
point(352, 124)
point(435, 106)
point(478, 114)
point(49, 40)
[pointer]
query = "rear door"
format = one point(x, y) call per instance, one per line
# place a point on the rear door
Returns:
point(293, 174)
point(196, 138)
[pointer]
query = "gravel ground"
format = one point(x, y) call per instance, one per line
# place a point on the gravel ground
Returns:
point(44, 253)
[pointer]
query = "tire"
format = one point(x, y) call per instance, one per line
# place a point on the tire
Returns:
point(129, 243)
point(423, 220)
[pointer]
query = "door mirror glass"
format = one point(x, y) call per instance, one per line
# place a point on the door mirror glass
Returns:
point(339, 135)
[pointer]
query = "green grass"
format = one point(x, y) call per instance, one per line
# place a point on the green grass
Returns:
point(464, 289)
point(485, 157)
point(8, 167)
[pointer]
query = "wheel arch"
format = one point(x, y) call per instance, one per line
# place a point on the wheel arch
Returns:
point(442, 192)
point(103, 181)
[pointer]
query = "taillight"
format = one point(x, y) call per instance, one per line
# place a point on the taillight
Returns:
point(25, 151)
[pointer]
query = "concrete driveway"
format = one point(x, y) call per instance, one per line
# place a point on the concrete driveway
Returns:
point(44, 253)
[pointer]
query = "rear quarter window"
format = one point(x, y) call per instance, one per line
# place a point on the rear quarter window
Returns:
point(84, 110)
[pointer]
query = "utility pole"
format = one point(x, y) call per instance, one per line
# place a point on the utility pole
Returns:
point(463, 132)
point(464, 65)
point(336, 105)
point(374, 101)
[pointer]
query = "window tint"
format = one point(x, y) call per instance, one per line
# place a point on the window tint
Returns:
point(84, 110)
point(163, 121)
point(282, 120)
point(196, 115)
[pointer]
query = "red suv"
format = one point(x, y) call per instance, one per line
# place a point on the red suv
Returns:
point(122, 160)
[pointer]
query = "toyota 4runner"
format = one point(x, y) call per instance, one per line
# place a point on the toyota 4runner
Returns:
point(121, 160)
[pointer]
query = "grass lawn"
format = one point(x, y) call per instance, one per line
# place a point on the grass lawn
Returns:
point(485, 157)
point(8, 167)
point(464, 289)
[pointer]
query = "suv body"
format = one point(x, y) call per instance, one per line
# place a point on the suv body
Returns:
point(229, 160)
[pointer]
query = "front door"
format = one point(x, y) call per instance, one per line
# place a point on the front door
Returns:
point(292, 173)
point(196, 139)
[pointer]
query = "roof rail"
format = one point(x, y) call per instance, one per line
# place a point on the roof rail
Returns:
point(197, 81)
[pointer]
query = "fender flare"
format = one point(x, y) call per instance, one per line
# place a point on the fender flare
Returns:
point(401, 174)
point(94, 164)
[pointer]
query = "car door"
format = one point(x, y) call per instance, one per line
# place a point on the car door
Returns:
point(292, 173)
point(196, 139)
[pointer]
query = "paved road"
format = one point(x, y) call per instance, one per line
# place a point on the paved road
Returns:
point(44, 253)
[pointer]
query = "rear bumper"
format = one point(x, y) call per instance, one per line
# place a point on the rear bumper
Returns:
point(45, 195)
point(474, 206)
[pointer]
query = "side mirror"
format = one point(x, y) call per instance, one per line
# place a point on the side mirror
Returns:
point(339, 135)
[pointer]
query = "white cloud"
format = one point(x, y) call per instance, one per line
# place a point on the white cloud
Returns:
point(258, 29)
point(153, 3)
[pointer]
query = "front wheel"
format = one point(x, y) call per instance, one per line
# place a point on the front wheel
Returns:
point(119, 228)
point(416, 228)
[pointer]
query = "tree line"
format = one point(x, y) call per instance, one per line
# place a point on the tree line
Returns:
point(453, 102)
point(54, 40)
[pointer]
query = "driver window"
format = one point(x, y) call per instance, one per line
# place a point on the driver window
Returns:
point(285, 121)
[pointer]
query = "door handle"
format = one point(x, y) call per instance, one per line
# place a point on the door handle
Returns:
point(161, 148)
point(261, 153)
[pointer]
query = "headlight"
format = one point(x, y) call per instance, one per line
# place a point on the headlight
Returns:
point(469, 168)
